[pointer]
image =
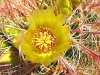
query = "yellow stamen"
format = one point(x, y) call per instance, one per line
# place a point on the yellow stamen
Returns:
point(43, 39)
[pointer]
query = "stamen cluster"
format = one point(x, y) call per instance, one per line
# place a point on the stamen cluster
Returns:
point(43, 39)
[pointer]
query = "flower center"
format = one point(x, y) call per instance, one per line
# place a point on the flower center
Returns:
point(43, 39)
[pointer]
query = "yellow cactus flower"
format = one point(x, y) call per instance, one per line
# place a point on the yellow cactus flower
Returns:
point(64, 7)
point(45, 38)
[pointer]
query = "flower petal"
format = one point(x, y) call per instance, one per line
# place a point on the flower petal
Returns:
point(64, 34)
point(43, 58)
point(49, 17)
point(59, 23)
point(27, 43)
point(64, 46)
point(36, 18)
point(63, 40)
